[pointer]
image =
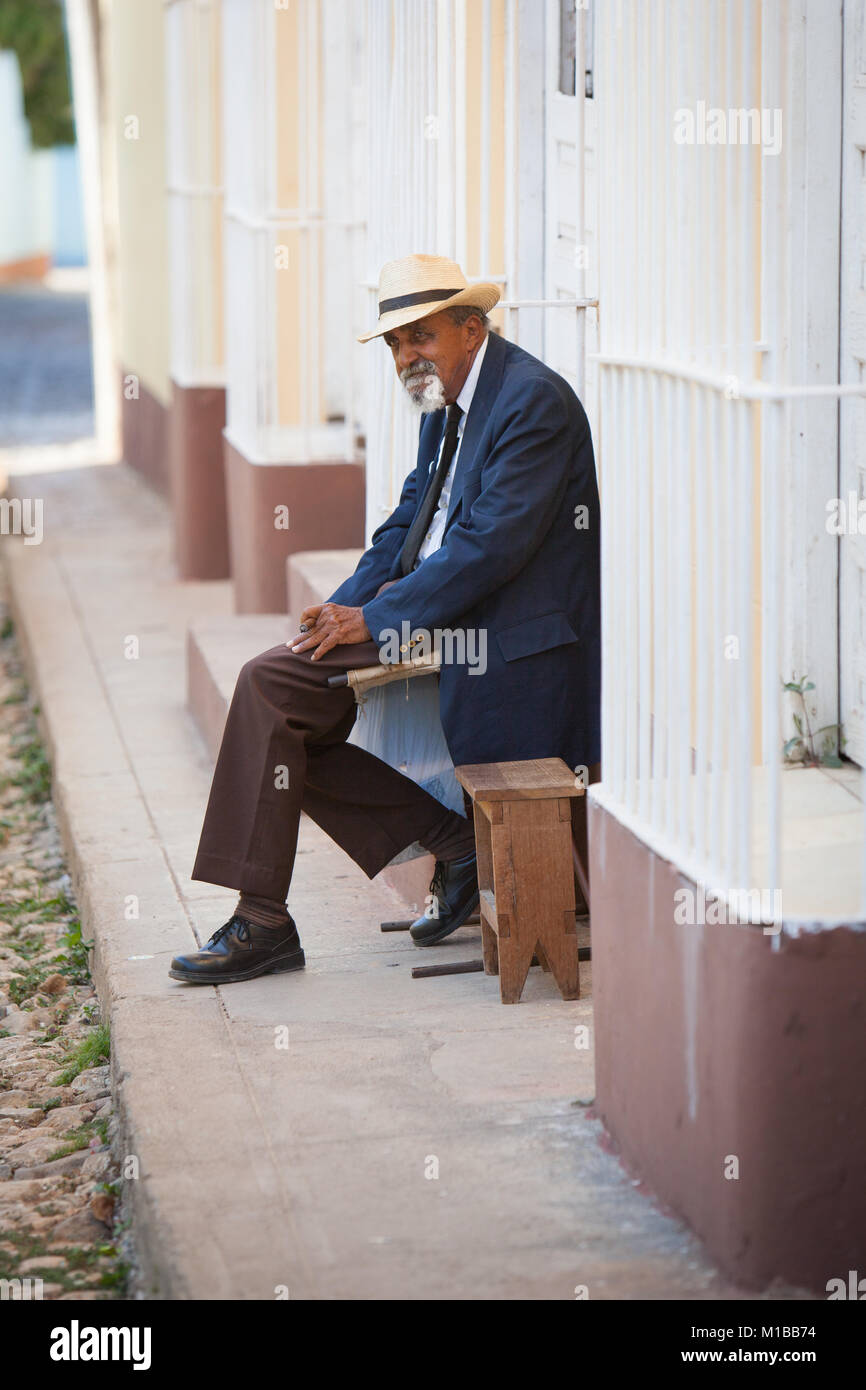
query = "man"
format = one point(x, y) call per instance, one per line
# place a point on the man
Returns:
point(497, 531)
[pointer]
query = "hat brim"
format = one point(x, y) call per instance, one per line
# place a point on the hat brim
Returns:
point(481, 297)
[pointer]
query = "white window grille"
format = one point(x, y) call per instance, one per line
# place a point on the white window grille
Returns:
point(702, 503)
point(291, 256)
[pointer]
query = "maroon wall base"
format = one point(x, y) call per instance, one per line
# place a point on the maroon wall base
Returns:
point(198, 489)
point(145, 427)
point(711, 1044)
point(326, 512)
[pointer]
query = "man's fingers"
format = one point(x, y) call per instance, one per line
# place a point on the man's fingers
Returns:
point(308, 620)
point(330, 640)
point(309, 623)
point(332, 626)
point(322, 639)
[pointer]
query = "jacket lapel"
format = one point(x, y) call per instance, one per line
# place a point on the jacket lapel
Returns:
point(486, 391)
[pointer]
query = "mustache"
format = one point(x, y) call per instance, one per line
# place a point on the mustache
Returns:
point(421, 369)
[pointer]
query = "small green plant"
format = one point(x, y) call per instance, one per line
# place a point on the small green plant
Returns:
point(92, 1051)
point(801, 748)
point(72, 962)
point(7, 628)
point(45, 1105)
point(34, 779)
point(26, 946)
point(44, 909)
point(80, 1138)
point(26, 985)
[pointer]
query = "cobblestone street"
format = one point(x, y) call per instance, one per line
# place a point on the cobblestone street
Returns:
point(57, 1180)
point(46, 391)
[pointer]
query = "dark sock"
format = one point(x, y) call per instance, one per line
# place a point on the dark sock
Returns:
point(452, 838)
point(262, 912)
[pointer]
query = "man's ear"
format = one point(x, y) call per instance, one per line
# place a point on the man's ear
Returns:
point(476, 332)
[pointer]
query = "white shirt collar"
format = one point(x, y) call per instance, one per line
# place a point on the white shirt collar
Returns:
point(464, 400)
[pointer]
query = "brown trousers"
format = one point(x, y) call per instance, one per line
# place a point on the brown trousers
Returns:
point(284, 751)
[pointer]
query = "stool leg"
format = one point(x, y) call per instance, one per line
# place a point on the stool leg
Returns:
point(515, 958)
point(562, 954)
point(484, 855)
point(516, 944)
point(489, 948)
point(542, 887)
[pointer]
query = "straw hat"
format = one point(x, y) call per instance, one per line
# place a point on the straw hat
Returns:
point(415, 286)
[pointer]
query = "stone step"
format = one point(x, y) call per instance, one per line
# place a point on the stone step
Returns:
point(313, 575)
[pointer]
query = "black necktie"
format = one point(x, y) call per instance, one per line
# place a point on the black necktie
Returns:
point(421, 525)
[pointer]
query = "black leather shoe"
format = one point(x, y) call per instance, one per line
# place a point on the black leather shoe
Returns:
point(239, 950)
point(454, 897)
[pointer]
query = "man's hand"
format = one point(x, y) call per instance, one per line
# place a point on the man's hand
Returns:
point(329, 625)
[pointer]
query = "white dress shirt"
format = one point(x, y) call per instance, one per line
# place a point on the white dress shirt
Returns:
point(436, 530)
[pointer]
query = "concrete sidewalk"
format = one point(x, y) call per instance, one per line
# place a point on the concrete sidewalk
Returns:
point(289, 1130)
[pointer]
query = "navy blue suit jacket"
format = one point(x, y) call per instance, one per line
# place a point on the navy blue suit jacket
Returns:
point(519, 561)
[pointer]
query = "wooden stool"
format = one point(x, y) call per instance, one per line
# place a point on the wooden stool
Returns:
point(523, 841)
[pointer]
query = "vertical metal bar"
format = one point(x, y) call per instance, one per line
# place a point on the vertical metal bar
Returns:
point(580, 202)
point(445, 143)
point(511, 106)
point(746, 328)
point(732, 526)
point(730, 245)
point(774, 488)
point(608, 571)
point(715, 653)
point(641, 488)
point(673, 633)
point(643, 142)
point(702, 628)
point(457, 64)
point(486, 169)
point(632, 461)
point(302, 242)
point(714, 278)
point(686, 582)
point(264, 397)
point(316, 234)
point(659, 621)
point(618, 578)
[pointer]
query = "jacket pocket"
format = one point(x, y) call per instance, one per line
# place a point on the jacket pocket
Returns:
point(535, 635)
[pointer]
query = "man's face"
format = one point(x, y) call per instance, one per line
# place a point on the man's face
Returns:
point(433, 357)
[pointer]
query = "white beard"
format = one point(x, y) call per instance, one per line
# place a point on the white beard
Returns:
point(432, 396)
